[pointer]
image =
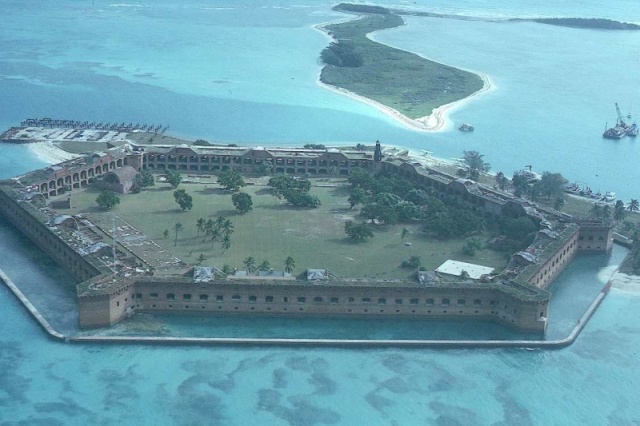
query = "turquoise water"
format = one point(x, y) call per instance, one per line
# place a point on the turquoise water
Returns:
point(245, 71)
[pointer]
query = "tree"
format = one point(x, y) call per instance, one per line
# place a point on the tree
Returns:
point(413, 262)
point(502, 181)
point(471, 246)
point(227, 269)
point(184, 200)
point(264, 266)
point(619, 213)
point(242, 201)
point(551, 185)
point(250, 264)
point(200, 225)
point(356, 196)
point(289, 264)
point(174, 178)
point(358, 233)
point(361, 178)
point(596, 210)
point(404, 233)
point(265, 168)
point(559, 203)
point(165, 234)
point(231, 180)
point(177, 228)
point(475, 164)
point(634, 205)
point(385, 214)
point(142, 180)
point(107, 200)
point(201, 258)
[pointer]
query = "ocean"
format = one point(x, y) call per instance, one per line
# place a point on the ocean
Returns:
point(245, 72)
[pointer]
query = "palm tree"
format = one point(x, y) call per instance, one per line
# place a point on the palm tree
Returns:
point(177, 227)
point(200, 225)
point(289, 264)
point(634, 205)
point(264, 266)
point(404, 233)
point(606, 212)
point(618, 211)
point(250, 264)
point(596, 210)
point(226, 242)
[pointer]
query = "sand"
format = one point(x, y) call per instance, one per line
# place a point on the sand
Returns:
point(626, 283)
point(50, 153)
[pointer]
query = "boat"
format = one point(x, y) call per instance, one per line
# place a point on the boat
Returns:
point(466, 127)
point(633, 130)
point(620, 130)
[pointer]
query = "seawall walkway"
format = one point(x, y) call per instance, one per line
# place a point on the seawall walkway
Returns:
point(336, 343)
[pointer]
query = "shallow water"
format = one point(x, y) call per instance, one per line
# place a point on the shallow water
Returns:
point(244, 71)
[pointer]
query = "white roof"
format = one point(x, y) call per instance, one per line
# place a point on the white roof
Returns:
point(454, 267)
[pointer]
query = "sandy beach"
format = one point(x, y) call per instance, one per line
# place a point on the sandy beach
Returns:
point(629, 284)
point(50, 153)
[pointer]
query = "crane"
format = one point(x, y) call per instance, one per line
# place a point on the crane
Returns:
point(620, 118)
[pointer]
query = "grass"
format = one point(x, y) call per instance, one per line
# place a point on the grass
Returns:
point(273, 230)
point(404, 81)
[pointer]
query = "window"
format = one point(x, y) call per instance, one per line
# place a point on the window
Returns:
point(285, 299)
point(366, 300)
point(317, 299)
point(429, 302)
point(461, 302)
point(382, 301)
point(351, 300)
point(334, 300)
point(302, 299)
point(171, 296)
point(477, 302)
point(219, 298)
point(236, 297)
point(138, 295)
point(204, 297)
point(413, 301)
point(398, 301)
point(252, 299)
point(186, 296)
point(445, 302)
point(268, 299)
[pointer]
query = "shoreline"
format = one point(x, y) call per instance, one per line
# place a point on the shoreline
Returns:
point(437, 121)
point(50, 153)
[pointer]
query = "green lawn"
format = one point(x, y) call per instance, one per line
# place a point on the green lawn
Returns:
point(273, 230)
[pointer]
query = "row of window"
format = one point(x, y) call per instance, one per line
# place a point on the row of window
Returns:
point(319, 299)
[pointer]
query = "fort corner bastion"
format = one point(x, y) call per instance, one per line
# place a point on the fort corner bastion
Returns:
point(117, 279)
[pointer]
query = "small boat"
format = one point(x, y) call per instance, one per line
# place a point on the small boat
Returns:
point(633, 130)
point(465, 127)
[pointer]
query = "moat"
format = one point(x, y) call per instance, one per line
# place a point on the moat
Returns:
point(138, 275)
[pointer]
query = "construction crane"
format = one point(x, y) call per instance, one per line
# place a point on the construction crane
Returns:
point(620, 118)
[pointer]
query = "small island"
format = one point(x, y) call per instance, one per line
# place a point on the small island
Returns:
point(408, 84)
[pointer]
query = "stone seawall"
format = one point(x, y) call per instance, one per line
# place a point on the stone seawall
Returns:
point(335, 343)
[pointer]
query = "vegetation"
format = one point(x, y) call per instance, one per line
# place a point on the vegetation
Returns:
point(184, 200)
point(177, 227)
point(404, 81)
point(231, 180)
point(315, 238)
point(289, 264)
point(358, 233)
point(142, 180)
point(413, 263)
point(174, 178)
point(242, 202)
point(474, 165)
point(107, 200)
point(595, 23)
point(295, 191)
point(314, 146)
